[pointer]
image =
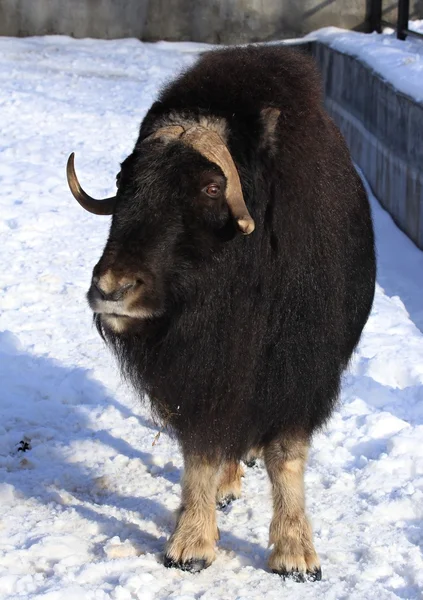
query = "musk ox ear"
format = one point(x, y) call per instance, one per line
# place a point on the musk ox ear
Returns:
point(269, 120)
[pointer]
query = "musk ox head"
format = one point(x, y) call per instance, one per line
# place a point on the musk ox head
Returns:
point(179, 198)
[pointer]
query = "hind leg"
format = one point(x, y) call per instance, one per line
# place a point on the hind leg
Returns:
point(229, 487)
point(191, 546)
point(252, 456)
point(293, 554)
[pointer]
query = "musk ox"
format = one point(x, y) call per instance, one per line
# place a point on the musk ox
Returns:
point(235, 283)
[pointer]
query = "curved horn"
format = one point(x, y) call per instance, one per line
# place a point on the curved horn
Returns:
point(97, 207)
point(210, 144)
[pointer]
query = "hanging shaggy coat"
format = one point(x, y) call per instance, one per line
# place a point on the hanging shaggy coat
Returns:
point(237, 278)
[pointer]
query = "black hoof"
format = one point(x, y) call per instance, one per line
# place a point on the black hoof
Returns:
point(300, 577)
point(194, 565)
point(296, 576)
point(315, 575)
point(224, 502)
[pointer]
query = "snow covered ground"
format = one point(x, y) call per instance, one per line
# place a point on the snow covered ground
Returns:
point(86, 509)
point(416, 25)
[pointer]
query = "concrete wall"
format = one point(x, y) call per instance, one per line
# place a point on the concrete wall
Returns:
point(384, 131)
point(214, 21)
point(240, 21)
point(78, 18)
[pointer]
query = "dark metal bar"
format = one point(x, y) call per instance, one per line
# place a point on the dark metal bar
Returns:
point(410, 32)
point(405, 32)
point(403, 16)
point(374, 17)
point(416, 34)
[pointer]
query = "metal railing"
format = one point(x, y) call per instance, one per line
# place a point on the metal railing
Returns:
point(376, 20)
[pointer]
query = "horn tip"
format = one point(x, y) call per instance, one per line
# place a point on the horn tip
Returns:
point(71, 158)
point(246, 225)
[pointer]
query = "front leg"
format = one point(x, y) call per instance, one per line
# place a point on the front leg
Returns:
point(191, 547)
point(293, 555)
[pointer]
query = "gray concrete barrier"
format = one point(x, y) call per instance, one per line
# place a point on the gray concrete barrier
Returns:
point(384, 131)
point(213, 21)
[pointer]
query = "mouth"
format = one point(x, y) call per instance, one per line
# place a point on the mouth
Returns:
point(119, 314)
point(106, 307)
point(117, 318)
point(118, 311)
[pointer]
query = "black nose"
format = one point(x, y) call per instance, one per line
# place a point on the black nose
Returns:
point(98, 292)
point(95, 287)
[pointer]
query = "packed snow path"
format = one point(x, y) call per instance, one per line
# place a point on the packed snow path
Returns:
point(87, 507)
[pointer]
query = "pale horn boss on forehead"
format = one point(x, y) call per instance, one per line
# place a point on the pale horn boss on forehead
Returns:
point(206, 142)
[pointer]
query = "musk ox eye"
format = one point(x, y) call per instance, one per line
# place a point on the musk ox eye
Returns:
point(212, 190)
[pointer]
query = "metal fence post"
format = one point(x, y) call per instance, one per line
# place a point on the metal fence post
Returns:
point(374, 17)
point(403, 16)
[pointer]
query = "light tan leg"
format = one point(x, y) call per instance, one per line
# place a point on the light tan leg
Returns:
point(293, 554)
point(192, 545)
point(229, 487)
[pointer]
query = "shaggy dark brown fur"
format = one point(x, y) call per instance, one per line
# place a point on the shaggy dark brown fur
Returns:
point(249, 335)
point(256, 330)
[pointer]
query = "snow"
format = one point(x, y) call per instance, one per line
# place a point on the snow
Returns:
point(400, 63)
point(416, 25)
point(89, 504)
